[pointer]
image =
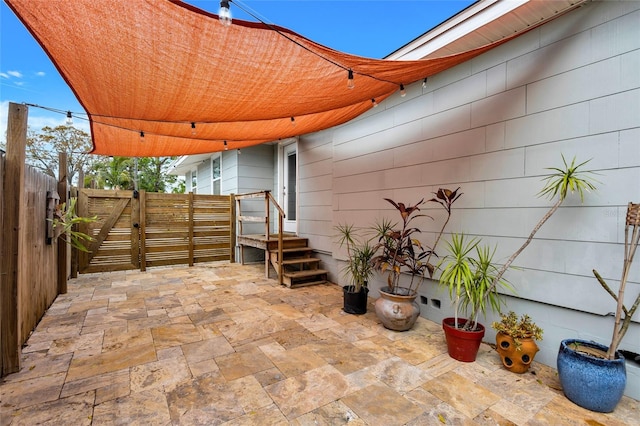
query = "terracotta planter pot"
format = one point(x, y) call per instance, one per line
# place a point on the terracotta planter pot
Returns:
point(397, 311)
point(590, 382)
point(463, 345)
point(355, 302)
point(516, 359)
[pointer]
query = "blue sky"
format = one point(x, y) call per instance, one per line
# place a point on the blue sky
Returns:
point(371, 28)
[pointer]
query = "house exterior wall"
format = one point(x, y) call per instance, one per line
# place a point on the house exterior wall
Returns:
point(249, 170)
point(492, 126)
point(204, 177)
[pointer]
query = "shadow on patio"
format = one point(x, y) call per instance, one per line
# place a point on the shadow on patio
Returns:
point(220, 344)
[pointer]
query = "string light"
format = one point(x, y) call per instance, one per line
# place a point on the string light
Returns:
point(193, 129)
point(373, 101)
point(69, 118)
point(293, 121)
point(224, 14)
point(141, 136)
point(350, 83)
point(226, 148)
point(424, 83)
point(403, 92)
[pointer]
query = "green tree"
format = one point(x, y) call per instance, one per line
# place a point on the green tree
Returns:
point(121, 173)
point(113, 173)
point(43, 147)
point(152, 174)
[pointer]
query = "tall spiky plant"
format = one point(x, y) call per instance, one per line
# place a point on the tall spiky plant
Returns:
point(559, 184)
point(360, 251)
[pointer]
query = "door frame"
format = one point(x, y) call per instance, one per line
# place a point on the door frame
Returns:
point(284, 149)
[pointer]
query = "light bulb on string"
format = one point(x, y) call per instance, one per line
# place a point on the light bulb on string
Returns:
point(373, 102)
point(69, 120)
point(141, 136)
point(193, 129)
point(224, 14)
point(403, 92)
point(424, 83)
point(226, 148)
point(350, 83)
point(293, 121)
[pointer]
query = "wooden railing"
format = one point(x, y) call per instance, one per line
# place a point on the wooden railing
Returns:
point(268, 200)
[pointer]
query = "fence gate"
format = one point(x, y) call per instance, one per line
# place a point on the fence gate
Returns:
point(135, 230)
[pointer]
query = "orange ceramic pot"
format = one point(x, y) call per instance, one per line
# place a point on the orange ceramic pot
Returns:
point(514, 358)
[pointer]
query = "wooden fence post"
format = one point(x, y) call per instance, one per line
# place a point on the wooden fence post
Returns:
point(12, 258)
point(143, 229)
point(191, 242)
point(63, 250)
point(232, 228)
point(74, 251)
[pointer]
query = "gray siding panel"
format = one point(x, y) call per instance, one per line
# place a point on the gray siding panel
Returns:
point(493, 126)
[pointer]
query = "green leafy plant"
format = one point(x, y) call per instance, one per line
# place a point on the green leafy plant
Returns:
point(64, 222)
point(558, 185)
point(517, 328)
point(468, 272)
point(360, 251)
point(400, 250)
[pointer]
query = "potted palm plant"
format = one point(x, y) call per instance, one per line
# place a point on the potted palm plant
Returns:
point(460, 279)
point(358, 269)
point(401, 252)
point(516, 341)
point(468, 272)
point(594, 375)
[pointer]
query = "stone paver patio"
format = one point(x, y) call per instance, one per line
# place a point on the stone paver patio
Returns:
point(221, 344)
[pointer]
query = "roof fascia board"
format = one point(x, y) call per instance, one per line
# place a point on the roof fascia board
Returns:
point(475, 16)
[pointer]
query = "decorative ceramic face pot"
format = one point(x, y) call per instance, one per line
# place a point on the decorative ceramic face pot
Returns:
point(516, 358)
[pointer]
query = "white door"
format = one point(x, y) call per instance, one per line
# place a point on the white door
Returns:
point(289, 186)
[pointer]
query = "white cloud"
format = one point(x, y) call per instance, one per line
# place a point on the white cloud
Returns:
point(16, 74)
point(4, 110)
point(4, 75)
point(40, 74)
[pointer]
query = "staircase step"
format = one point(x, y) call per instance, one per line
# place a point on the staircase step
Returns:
point(300, 261)
point(304, 274)
point(304, 278)
point(307, 283)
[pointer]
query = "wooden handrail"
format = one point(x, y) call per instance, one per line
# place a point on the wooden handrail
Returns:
point(269, 198)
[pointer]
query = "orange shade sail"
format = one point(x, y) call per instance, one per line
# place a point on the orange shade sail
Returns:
point(173, 73)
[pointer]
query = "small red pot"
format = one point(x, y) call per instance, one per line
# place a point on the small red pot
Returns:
point(463, 345)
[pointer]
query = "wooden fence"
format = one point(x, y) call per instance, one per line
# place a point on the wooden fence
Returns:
point(29, 279)
point(136, 230)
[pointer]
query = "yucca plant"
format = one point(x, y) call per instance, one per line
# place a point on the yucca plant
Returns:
point(360, 251)
point(558, 185)
point(468, 272)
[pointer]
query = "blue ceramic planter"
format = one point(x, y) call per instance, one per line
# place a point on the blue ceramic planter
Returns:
point(592, 383)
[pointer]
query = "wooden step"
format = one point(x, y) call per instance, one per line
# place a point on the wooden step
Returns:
point(299, 267)
point(301, 261)
point(303, 278)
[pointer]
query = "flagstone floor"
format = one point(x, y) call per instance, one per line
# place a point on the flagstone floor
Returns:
point(221, 344)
